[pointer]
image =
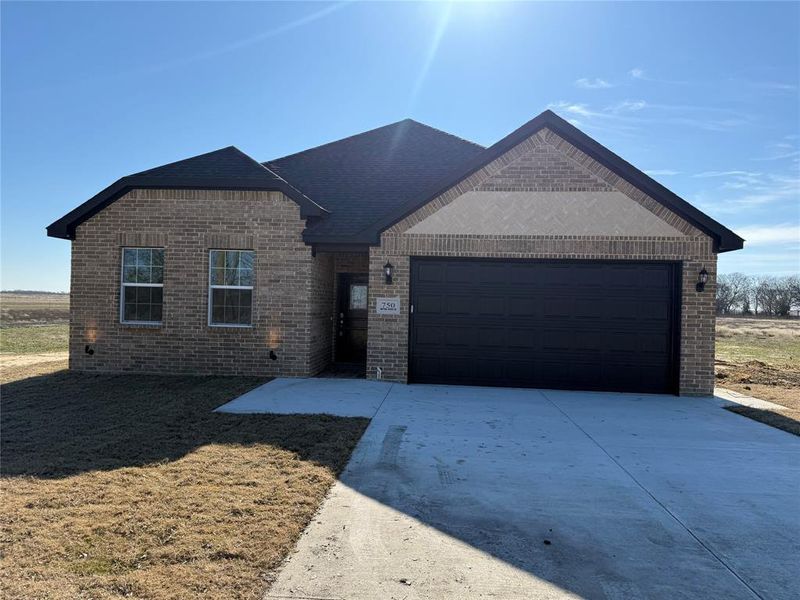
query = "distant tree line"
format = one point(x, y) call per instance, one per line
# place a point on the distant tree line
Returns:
point(742, 294)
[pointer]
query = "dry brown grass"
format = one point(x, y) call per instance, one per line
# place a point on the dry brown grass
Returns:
point(129, 486)
point(761, 358)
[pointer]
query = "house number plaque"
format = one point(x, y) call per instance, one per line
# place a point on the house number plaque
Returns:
point(387, 306)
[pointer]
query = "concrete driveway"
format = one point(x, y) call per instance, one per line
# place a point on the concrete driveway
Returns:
point(459, 492)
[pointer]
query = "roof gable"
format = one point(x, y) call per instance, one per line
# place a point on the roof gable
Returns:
point(724, 238)
point(227, 168)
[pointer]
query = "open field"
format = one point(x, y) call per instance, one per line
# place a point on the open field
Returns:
point(761, 358)
point(33, 308)
point(33, 323)
point(129, 486)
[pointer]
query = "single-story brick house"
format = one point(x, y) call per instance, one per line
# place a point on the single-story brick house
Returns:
point(544, 260)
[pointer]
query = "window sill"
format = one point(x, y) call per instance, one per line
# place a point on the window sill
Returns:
point(141, 324)
point(228, 326)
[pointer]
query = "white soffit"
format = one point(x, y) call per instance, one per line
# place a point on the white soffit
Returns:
point(545, 213)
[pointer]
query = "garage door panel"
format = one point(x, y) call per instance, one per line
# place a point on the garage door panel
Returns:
point(430, 272)
point(654, 310)
point(490, 305)
point(428, 304)
point(591, 325)
point(523, 275)
point(458, 304)
point(455, 273)
point(523, 307)
point(654, 279)
point(429, 336)
point(557, 305)
point(522, 338)
point(459, 336)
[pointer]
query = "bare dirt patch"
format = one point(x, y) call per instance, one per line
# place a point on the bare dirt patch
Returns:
point(761, 358)
point(129, 486)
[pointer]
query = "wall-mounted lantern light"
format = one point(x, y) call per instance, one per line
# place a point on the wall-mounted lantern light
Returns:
point(702, 278)
point(388, 269)
point(89, 349)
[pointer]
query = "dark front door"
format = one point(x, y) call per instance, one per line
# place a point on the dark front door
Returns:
point(560, 324)
point(351, 318)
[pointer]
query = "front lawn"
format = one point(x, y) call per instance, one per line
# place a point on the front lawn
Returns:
point(129, 486)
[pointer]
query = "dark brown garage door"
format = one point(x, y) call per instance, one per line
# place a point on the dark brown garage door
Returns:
point(561, 324)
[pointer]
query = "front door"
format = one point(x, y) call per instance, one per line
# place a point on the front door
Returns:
point(351, 318)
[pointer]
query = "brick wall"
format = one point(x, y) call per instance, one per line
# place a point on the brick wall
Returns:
point(543, 162)
point(290, 301)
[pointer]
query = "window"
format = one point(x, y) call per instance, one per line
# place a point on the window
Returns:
point(358, 297)
point(230, 290)
point(142, 293)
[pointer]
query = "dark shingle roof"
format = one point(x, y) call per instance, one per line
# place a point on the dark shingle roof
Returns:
point(359, 186)
point(226, 169)
point(362, 177)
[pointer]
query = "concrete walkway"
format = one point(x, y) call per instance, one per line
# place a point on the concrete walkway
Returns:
point(458, 492)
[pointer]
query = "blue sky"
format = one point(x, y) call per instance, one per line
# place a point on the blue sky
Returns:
point(702, 96)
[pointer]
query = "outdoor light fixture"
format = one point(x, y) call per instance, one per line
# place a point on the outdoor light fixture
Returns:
point(88, 349)
point(272, 355)
point(702, 278)
point(387, 272)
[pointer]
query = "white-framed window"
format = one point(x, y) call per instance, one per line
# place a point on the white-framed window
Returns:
point(230, 288)
point(141, 297)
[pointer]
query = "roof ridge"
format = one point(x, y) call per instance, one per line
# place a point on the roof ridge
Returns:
point(175, 162)
point(349, 137)
point(452, 135)
point(368, 131)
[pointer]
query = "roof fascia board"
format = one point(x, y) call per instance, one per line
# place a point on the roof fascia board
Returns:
point(64, 227)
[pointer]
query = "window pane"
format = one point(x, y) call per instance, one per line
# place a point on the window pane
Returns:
point(231, 307)
point(218, 259)
point(217, 276)
point(158, 258)
point(129, 314)
point(245, 277)
point(155, 312)
point(129, 275)
point(231, 259)
point(142, 312)
point(246, 260)
point(142, 303)
point(230, 277)
point(156, 275)
point(144, 257)
point(358, 297)
point(129, 257)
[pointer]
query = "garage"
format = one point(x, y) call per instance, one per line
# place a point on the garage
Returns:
point(589, 325)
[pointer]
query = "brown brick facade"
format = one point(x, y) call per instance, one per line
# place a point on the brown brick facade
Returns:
point(518, 170)
point(292, 296)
